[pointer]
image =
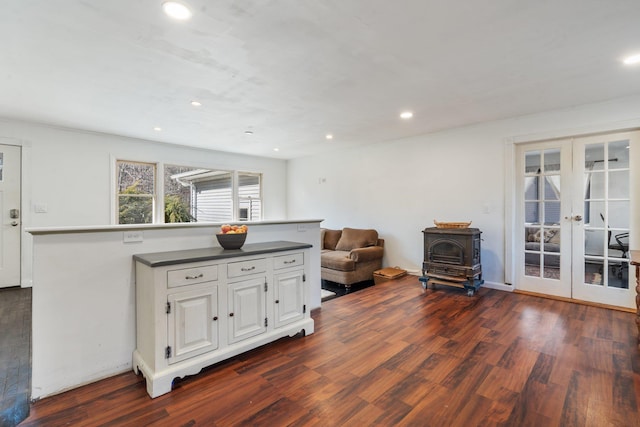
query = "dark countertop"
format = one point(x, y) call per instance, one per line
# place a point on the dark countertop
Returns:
point(158, 259)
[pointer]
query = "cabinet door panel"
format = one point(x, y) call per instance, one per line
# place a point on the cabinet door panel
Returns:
point(247, 309)
point(289, 302)
point(193, 326)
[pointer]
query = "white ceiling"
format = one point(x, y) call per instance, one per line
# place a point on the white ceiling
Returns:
point(292, 71)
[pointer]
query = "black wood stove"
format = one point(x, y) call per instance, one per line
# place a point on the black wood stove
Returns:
point(452, 258)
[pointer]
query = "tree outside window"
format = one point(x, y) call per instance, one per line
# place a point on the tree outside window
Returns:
point(135, 192)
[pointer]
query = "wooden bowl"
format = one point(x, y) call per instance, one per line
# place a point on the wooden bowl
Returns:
point(231, 241)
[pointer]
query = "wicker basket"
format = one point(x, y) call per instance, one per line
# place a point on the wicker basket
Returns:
point(441, 224)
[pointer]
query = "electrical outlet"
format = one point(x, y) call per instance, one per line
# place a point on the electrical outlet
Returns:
point(132, 236)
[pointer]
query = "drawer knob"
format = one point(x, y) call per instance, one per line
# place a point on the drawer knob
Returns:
point(215, 318)
point(248, 269)
point(199, 276)
point(277, 301)
point(290, 262)
point(230, 314)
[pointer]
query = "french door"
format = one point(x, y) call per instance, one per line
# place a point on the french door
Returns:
point(574, 206)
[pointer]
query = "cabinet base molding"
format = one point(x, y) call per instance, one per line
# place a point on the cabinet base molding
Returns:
point(160, 382)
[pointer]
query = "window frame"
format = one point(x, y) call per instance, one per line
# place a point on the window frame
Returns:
point(159, 168)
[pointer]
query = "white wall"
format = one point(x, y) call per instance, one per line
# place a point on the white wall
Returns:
point(70, 171)
point(461, 174)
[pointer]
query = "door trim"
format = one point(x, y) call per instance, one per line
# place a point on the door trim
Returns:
point(26, 240)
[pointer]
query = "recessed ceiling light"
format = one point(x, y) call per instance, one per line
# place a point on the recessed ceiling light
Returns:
point(196, 104)
point(276, 149)
point(157, 129)
point(630, 60)
point(248, 132)
point(329, 136)
point(406, 115)
point(176, 10)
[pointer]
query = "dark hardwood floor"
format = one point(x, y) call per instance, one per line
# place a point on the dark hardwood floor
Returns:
point(395, 354)
point(15, 355)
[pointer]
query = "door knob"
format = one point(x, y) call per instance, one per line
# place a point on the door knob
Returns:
point(577, 218)
point(14, 223)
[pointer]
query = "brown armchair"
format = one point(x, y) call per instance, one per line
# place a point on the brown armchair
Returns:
point(350, 255)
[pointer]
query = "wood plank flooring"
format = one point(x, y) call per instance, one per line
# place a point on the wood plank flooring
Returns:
point(15, 355)
point(395, 354)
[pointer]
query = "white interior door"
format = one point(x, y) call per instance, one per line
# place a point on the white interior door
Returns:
point(601, 239)
point(574, 205)
point(11, 216)
point(544, 202)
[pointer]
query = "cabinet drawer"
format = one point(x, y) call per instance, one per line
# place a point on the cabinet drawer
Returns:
point(190, 276)
point(245, 268)
point(285, 261)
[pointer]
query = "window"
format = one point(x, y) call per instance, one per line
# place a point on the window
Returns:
point(190, 194)
point(249, 196)
point(135, 192)
point(207, 194)
point(177, 194)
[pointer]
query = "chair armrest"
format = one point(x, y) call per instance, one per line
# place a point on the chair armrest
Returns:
point(366, 254)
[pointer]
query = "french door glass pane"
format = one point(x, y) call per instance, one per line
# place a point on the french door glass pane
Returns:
point(594, 157)
point(619, 154)
point(619, 184)
point(551, 213)
point(532, 213)
point(594, 242)
point(552, 160)
point(532, 162)
point(552, 187)
point(552, 267)
point(594, 214)
point(596, 186)
point(593, 272)
point(531, 188)
point(618, 214)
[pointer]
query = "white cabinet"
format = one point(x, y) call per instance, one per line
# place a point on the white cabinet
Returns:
point(198, 307)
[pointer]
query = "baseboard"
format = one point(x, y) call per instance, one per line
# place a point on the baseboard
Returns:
point(498, 286)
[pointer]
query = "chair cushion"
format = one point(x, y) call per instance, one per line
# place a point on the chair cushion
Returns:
point(353, 238)
point(331, 238)
point(337, 260)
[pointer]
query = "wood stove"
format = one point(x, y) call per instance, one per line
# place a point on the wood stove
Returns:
point(452, 257)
